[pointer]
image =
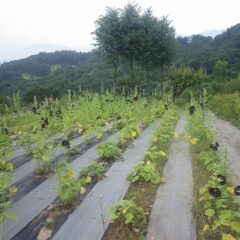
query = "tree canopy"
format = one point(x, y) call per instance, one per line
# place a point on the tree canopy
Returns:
point(138, 38)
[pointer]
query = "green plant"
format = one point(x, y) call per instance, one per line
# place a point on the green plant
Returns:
point(154, 155)
point(94, 169)
point(41, 152)
point(129, 133)
point(25, 141)
point(6, 189)
point(227, 106)
point(129, 213)
point(108, 151)
point(217, 208)
point(144, 171)
point(69, 186)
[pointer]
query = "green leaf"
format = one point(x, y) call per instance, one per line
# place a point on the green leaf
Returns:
point(128, 218)
point(210, 212)
point(206, 228)
point(135, 179)
point(235, 226)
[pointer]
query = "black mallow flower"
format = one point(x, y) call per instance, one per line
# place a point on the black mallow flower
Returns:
point(215, 192)
point(237, 190)
point(66, 144)
point(222, 179)
point(215, 146)
point(191, 110)
point(5, 131)
point(34, 110)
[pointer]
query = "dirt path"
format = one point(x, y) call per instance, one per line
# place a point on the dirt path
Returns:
point(171, 217)
point(228, 137)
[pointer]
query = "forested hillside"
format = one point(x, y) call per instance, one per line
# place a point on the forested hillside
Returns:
point(54, 73)
point(199, 51)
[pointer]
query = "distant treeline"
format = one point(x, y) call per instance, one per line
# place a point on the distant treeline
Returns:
point(199, 51)
point(54, 73)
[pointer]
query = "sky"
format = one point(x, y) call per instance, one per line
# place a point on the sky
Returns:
point(69, 23)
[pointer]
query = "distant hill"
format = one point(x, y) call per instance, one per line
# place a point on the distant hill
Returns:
point(201, 51)
point(56, 72)
point(14, 54)
point(212, 33)
point(53, 73)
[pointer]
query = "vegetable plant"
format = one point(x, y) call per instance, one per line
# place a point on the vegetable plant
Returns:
point(129, 133)
point(129, 213)
point(69, 186)
point(144, 171)
point(41, 152)
point(217, 206)
point(6, 189)
point(108, 151)
point(94, 169)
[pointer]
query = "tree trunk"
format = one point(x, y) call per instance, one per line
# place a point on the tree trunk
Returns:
point(131, 73)
point(162, 79)
point(114, 78)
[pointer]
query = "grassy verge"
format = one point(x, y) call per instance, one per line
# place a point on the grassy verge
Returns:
point(227, 106)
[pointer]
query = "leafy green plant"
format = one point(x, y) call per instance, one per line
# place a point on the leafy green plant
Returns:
point(129, 133)
point(108, 151)
point(41, 152)
point(129, 213)
point(25, 141)
point(154, 155)
point(69, 187)
point(144, 171)
point(94, 169)
point(6, 189)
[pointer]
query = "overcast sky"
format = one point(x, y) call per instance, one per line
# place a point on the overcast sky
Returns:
point(69, 22)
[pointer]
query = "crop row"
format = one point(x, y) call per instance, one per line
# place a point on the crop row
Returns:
point(118, 112)
point(216, 202)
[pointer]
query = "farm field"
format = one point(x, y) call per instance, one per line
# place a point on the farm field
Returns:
point(98, 166)
point(119, 122)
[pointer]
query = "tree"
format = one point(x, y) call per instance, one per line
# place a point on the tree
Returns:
point(107, 37)
point(131, 39)
point(159, 45)
point(182, 78)
point(220, 70)
point(139, 39)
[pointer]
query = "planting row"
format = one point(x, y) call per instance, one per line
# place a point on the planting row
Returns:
point(29, 206)
point(217, 203)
